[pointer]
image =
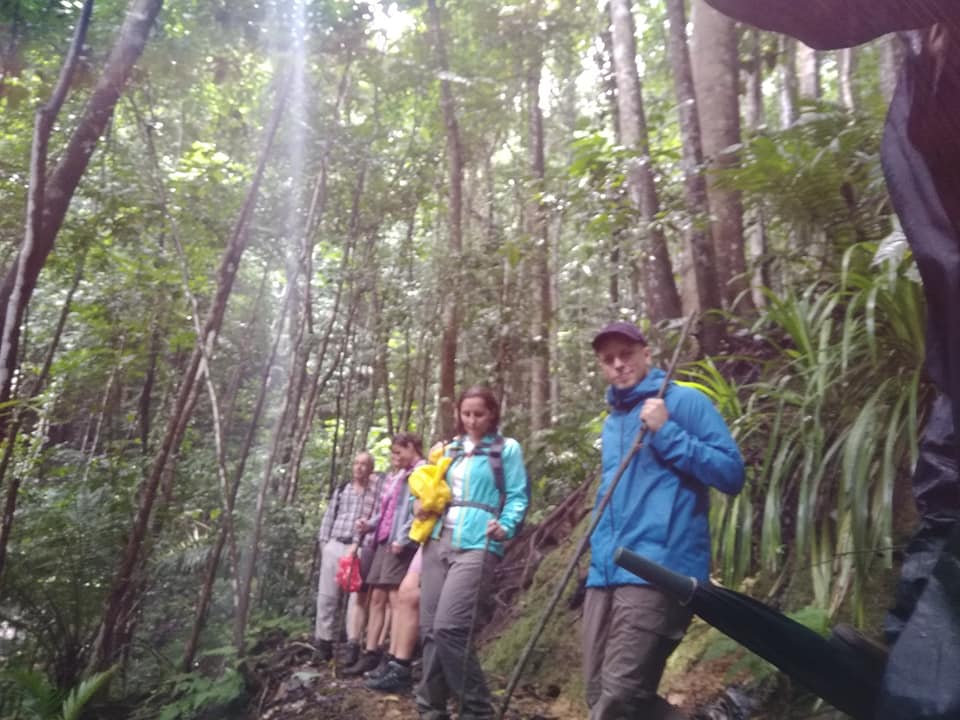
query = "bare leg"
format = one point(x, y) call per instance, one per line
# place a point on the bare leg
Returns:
point(406, 616)
point(393, 620)
point(356, 616)
point(385, 633)
point(378, 610)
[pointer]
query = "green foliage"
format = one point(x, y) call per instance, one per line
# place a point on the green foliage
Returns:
point(561, 459)
point(191, 695)
point(818, 186)
point(828, 428)
point(82, 694)
point(30, 695)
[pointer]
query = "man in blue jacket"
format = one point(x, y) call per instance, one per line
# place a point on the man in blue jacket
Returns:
point(659, 510)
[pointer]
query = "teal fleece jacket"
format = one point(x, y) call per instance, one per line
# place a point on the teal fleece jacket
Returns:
point(479, 486)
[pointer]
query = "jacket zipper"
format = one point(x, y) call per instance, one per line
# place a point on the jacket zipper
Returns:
point(462, 514)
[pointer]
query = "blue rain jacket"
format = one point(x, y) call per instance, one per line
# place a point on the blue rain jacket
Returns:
point(661, 505)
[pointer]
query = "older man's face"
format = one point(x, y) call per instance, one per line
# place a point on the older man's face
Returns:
point(362, 467)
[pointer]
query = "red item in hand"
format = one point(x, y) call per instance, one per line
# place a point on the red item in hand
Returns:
point(348, 573)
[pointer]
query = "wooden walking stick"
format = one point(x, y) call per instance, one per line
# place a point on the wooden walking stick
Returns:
point(598, 514)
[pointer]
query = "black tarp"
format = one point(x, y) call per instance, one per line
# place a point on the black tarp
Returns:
point(835, 673)
point(921, 162)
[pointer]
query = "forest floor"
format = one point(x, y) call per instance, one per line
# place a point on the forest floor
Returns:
point(291, 684)
point(294, 685)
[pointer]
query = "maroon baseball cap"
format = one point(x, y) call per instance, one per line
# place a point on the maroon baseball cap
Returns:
point(623, 329)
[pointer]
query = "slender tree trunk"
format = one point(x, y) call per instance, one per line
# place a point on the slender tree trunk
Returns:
point(102, 413)
point(145, 401)
point(452, 304)
point(13, 488)
point(49, 196)
point(279, 433)
point(407, 384)
point(753, 111)
point(241, 370)
point(320, 380)
point(847, 80)
point(808, 73)
point(540, 261)
point(229, 490)
point(335, 440)
point(119, 600)
point(716, 72)
point(891, 59)
point(660, 291)
point(788, 82)
point(755, 118)
point(695, 185)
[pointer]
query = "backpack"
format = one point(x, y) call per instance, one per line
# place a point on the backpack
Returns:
point(494, 452)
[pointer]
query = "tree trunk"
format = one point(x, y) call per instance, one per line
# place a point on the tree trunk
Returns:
point(808, 72)
point(452, 297)
point(716, 71)
point(788, 82)
point(49, 196)
point(846, 71)
point(119, 600)
point(224, 531)
point(695, 185)
point(13, 489)
point(753, 110)
point(279, 434)
point(660, 290)
point(754, 117)
point(540, 260)
point(891, 59)
point(240, 372)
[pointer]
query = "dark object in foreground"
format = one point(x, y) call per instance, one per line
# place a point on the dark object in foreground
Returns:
point(830, 671)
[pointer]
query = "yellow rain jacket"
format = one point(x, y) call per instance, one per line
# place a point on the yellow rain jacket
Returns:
point(428, 485)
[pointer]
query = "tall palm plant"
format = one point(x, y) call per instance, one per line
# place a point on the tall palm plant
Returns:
point(829, 426)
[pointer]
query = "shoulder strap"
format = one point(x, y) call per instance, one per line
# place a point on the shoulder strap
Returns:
point(495, 458)
point(494, 452)
point(338, 494)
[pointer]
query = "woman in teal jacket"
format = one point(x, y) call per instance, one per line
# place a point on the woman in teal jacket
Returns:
point(490, 497)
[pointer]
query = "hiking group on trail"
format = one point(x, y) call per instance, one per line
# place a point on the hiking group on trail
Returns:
point(472, 497)
point(660, 511)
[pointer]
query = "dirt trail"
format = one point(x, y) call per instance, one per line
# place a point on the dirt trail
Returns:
point(291, 684)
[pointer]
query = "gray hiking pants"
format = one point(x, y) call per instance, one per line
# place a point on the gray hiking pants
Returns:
point(450, 582)
point(329, 593)
point(629, 632)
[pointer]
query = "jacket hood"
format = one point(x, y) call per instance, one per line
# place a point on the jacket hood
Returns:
point(625, 399)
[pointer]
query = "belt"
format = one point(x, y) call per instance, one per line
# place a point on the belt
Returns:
point(345, 540)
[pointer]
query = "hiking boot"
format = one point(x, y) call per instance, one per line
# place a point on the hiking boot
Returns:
point(397, 679)
point(349, 653)
point(381, 669)
point(323, 649)
point(365, 663)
